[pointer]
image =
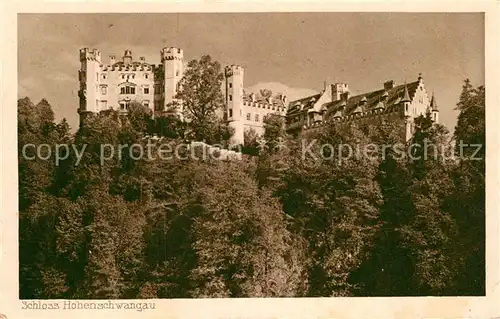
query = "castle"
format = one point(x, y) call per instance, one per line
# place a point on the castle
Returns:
point(117, 84)
point(400, 104)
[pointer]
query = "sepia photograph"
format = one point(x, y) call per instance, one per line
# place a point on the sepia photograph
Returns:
point(234, 155)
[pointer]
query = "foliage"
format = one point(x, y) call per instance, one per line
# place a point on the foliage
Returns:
point(275, 224)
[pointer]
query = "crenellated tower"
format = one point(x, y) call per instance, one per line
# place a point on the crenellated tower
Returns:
point(172, 59)
point(88, 76)
point(234, 101)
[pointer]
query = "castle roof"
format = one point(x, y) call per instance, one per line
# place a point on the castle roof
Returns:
point(372, 99)
point(392, 96)
point(406, 96)
point(433, 105)
point(303, 104)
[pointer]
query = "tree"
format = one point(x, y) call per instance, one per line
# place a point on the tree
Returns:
point(170, 126)
point(201, 94)
point(240, 239)
point(467, 202)
point(250, 145)
point(274, 130)
point(139, 117)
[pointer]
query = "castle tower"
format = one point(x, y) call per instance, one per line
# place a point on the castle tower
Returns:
point(88, 76)
point(434, 109)
point(405, 101)
point(234, 101)
point(173, 67)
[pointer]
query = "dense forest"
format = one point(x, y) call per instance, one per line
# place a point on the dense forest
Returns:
point(274, 224)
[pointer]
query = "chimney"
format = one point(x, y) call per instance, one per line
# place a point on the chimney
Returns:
point(127, 57)
point(346, 95)
point(252, 97)
point(284, 99)
point(388, 85)
point(142, 59)
point(112, 59)
point(338, 89)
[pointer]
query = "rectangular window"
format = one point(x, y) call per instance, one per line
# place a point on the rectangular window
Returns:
point(145, 103)
point(127, 90)
point(104, 76)
point(104, 105)
point(230, 85)
point(104, 90)
point(146, 75)
point(177, 73)
point(124, 105)
point(230, 112)
point(230, 97)
point(146, 90)
point(256, 117)
point(248, 116)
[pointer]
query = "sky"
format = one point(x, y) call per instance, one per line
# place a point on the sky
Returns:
point(293, 53)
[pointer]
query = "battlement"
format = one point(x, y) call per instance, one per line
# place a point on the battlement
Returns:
point(172, 53)
point(233, 69)
point(262, 105)
point(90, 55)
point(127, 68)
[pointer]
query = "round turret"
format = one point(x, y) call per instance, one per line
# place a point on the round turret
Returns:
point(358, 110)
point(379, 106)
